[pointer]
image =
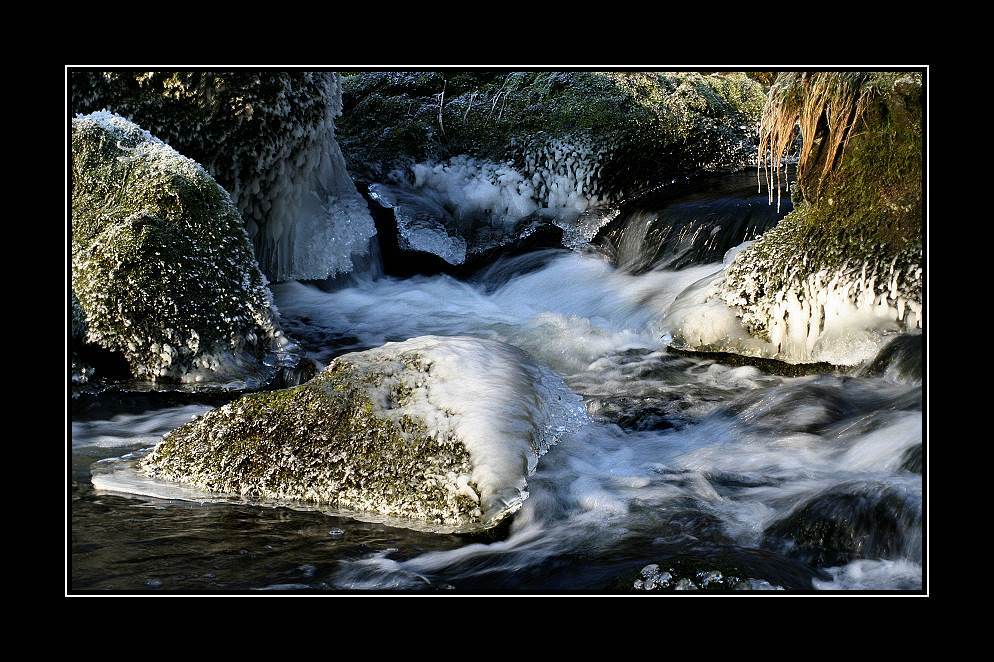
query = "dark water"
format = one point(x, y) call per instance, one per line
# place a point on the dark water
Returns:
point(687, 223)
point(692, 474)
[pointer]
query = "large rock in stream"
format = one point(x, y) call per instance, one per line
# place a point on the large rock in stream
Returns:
point(841, 275)
point(434, 433)
point(469, 161)
point(269, 139)
point(163, 273)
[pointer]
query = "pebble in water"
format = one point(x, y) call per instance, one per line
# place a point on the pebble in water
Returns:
point(336, 533)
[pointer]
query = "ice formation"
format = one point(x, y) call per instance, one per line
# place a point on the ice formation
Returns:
point(434, 432)
point(161, 265)
point(843, 317)
point(269, 139)
point(841, 275)
point(301, 204)
point(465, 205)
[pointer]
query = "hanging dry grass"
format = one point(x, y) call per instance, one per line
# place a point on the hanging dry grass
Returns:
point(825, 108)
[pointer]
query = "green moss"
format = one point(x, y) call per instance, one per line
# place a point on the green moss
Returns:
point(322, 443)
point(244, 127)
point(161, 265)
point(859, 205)
point(647, 125)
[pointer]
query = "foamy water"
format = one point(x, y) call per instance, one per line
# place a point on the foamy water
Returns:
point(687, 463)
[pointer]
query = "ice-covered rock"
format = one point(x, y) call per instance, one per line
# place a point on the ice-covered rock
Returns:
point(438, 432)
point(162, 270)
point(465, 209)
point(841, 275)
point(492, 148)
point(269, 139)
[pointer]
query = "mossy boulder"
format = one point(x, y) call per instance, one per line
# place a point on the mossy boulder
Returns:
point(268, 138)
point(162, 271)
point(612, 134)
point(841, 274)
point(436, 433)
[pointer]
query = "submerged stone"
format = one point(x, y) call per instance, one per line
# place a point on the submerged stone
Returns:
point(162, 271)
point(902, 358)
point(851, 521)
point(441, 432)
point(913, 459)
point(714, 574)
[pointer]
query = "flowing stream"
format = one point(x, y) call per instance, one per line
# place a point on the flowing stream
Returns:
point(693, 473)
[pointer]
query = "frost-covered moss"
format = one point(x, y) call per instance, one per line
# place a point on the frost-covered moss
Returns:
point(846, 265)
point(161, 266)
point(269, 140)
point(439, 430)
point(321, 443)
point(614, 133)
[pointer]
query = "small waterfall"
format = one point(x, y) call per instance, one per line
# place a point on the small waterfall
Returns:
point(688, 223)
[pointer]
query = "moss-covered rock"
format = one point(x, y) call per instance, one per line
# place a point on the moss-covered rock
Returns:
point(162, 270)
point(842, 273)
point(609, 134)
point(269, 140)
point(439, 432)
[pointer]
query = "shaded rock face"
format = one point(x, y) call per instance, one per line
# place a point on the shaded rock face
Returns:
point(413, 239)
point(696, 221)
point(913, 459)
point(848, 522)
point(162, 270)
point(841, 274)
point(439, 433)
point(269, 139)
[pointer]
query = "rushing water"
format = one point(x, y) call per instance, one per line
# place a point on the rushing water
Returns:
point(692, 474)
